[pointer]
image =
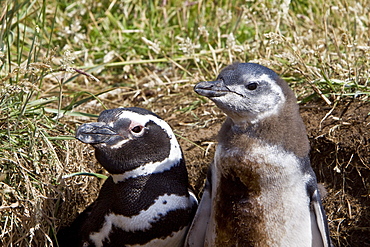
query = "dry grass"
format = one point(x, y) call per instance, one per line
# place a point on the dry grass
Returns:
point(149, 54)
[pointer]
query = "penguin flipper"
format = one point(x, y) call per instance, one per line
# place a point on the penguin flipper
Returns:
point(319, 224)
point(197, 231)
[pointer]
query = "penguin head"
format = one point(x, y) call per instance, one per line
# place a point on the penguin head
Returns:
point(246, 92)
point(129, 138)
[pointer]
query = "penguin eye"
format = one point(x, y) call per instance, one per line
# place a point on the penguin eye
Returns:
point(137, 129)
point(252, 86)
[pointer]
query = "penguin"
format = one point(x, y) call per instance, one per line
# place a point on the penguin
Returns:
point(261, 189)
point(145, 201)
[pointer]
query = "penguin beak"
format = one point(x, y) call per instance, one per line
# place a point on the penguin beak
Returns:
point(211, 88)
point(95, 133)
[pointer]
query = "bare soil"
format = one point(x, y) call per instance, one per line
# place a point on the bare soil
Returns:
point(339, 137)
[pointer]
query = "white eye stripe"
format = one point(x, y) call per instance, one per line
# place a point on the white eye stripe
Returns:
point(152, 167)
point(144, 119)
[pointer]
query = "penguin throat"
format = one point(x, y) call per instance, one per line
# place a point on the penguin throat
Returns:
point(248, 129)
point(147, 169)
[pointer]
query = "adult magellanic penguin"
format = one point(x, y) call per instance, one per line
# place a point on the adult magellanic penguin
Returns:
point(145, 201)
point(261, 189)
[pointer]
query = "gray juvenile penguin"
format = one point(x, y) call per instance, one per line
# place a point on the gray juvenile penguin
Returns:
point(145, 201)
point(261, 189)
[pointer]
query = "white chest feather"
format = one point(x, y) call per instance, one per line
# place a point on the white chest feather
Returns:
point(282, 194)
point(176, 239)
point(144, 220)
